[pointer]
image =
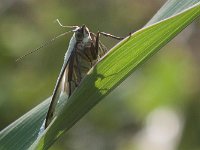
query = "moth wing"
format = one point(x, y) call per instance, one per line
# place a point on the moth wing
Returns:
point(102, 49)
point(57, 91)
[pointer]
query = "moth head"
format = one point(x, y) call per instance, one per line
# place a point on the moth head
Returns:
point(82, 32)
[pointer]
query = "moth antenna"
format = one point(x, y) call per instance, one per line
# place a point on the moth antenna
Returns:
point(65, 26)
point(43, 45)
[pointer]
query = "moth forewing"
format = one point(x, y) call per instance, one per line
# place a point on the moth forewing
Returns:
point(60, 81)
point(56, 94)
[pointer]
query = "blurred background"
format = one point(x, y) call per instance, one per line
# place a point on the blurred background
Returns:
point(156, 108)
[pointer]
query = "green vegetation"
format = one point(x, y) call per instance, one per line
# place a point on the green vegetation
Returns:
point(118, 64)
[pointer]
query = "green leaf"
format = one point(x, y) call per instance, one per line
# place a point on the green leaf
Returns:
point(170, 8)
point(118, 64)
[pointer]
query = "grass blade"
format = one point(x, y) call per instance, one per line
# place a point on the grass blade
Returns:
point(111, 71)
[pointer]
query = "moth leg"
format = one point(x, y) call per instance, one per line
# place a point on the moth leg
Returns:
point(99, 45)
point(103, 48)
point(130, 34)
point(112, 36)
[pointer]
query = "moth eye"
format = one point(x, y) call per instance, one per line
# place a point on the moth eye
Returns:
point(79, 35)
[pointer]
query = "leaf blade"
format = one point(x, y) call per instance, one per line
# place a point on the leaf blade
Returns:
point(29, 124)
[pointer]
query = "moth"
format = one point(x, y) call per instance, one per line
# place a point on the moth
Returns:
point(84, 51)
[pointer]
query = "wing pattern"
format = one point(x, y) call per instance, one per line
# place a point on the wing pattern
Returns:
point(81, 60)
